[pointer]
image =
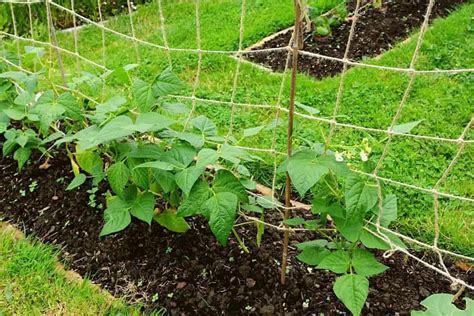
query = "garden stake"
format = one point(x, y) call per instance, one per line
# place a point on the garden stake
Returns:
point(291, 111)
point(54, 40)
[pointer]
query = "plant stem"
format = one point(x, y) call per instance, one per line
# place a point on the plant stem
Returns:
point(240, 241)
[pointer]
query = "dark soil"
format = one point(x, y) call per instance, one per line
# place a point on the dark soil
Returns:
point(190, 273)
point(377, 30)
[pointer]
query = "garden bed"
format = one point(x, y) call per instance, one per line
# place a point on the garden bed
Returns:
point(377, 30)
point(190, 273)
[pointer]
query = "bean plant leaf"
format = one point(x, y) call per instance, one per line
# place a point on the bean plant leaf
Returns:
point(166, 83)
point(373, 242)
point(337, 262)
point(143, 207)
point(352, 290)
point(152, 122)
point(117, 216)
point(161, 165)
point(90, 162)
point(165, 179)
point(170, 221)
point(76, 182)
point(139, 176)
point(22, 155)
point(306, 168)
point(389, 210)
point(307, 108)
point(442, 305)
point(406, 127)
point(225, 181)
point(204, 125)
point(186, 178)
point(193, 205)
point(143, 94)
point(181, 156)
point(365, 264)
point(317, 243)
point(118, 175)
point(313, 256)
point(222, 210)
point(249, 132)
point(206, 156)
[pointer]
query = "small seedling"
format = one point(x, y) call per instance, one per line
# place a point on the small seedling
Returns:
point(33, 185)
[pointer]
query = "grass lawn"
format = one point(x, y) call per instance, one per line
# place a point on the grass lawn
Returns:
point(443, 102)
point(32, 284)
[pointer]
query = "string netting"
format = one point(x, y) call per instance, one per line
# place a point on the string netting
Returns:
point(66, 45)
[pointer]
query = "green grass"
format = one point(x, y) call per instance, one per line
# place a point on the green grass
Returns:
point(370, 99)
point(32, 284)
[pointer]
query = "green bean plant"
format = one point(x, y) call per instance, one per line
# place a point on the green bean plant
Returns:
point(160, 165)
point(347, 203)
point(325, 15)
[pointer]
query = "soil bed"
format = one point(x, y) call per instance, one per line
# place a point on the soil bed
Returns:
point(190, 274)
point(377, 30)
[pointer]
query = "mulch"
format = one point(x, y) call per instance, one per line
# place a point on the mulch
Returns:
point(190, 274)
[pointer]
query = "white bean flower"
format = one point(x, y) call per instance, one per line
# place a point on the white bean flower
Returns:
point(363, 156)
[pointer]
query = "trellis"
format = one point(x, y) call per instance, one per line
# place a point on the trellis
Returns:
point(294, 49)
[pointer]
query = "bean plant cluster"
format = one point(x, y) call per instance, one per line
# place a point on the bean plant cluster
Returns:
point(165, 165)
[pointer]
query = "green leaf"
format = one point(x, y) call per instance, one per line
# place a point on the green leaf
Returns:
point(204, 125)
point(318, 243)
point(71, 106)
point(295, 221)
point(119, 127)
point(225, 181)
point(389, 210)
point(307, 167)
point(116, 216)
point(185, 179)
point(365, 263)
point(373, 242)
point(8, 147)
point(118, 175)
point(360, 195)
point(143, 207)
point(252, 208)
point(337, 262)
point(109, 106)
point(165, 180)
point(406, 127)
point(90, 162)
point(196, 140)
point(170, 221)
point(22, 155)
point(152, 122)
point(206, 156)
point(249, 132)
point(442, 305)
point(166, 83)
point(222, 210)
point(313, 256)
point(146, 151)
point(143, 94)
point(15, 113)
point(350, 228)
point(198, 196)
point(161, 165)
point(181, 156)
point(140, 176)
point(352, 290)
point(307, 108)
point(76, 182)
